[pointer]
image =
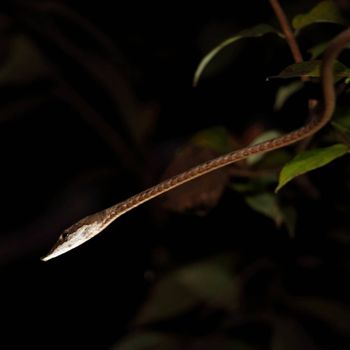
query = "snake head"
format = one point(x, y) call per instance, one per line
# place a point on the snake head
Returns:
point(76, 235)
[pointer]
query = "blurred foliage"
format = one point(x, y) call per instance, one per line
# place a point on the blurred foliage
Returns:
point(24, 63)
point(208, 290)
point(317, 50)
point(311, 69)
point(215, 138)
point(310, 160)
point(204, 283)
point(284, 92)
point(325, 11)
point(342, 117)
point(254, 32)
point(239, 299)
point(268, 135)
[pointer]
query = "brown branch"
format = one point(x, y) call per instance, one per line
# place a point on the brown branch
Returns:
point(287, 30)
point(104, 40)
point(298, 58)
point(107, 75)
point(66, 92)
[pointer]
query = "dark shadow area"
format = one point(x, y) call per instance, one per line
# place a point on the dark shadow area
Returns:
point(95, 103)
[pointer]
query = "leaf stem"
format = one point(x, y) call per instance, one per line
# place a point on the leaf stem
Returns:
point(287, 30)
point(298, 57)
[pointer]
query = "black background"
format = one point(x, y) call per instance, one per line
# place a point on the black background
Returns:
point(55, 169)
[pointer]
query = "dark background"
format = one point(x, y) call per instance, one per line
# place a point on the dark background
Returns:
point(102, 122)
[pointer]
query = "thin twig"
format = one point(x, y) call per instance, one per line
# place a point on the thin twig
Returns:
point(298, 57)
point(287, 30)
point(66, 92)
point(104, 40)
point(105, 73)
point(86, 111)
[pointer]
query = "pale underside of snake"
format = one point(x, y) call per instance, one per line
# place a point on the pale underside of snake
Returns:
point(93, 224)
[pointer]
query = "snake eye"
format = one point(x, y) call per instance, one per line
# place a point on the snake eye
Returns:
point(64, 235)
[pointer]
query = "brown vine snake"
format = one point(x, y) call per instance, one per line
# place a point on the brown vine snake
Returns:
point(93, 224)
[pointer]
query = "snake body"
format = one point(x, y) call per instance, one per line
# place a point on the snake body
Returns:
point(91, 225)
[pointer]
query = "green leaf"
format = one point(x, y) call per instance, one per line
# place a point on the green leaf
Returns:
point(337, 315)
point(254, 32)
point(290, 219)
point(146, 341)
point(216, 138)
point(325, 11)
point(318, 49)
point(342, 116)
point(284, 92)
point(308, 161)
point(246, 187)
point(266, 204)
point(24, 63)
point(289, 334)
point(260, 184)
point(180, 291)
point(274, 159)
point(174, 341)
point(341, 123)
point(168, 299)
point(268, 135)
point(340, 128)
point(211, 283)
point(312, 69)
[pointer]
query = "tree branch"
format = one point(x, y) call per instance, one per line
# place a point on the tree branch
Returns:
point(287, 30)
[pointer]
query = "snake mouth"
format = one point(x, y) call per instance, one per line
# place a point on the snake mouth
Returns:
point(63, 245)
point(73, 237)
point(56, 250)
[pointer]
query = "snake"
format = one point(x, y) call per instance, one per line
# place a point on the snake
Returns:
point(91, 225)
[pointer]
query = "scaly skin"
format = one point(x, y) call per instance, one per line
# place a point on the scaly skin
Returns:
point(92, 225)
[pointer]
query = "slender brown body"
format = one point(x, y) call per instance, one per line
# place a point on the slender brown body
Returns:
point(91, 225)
